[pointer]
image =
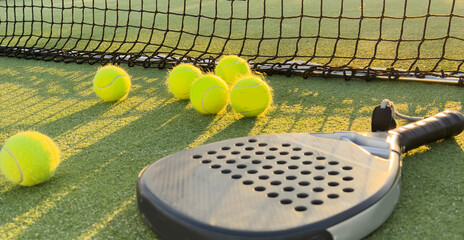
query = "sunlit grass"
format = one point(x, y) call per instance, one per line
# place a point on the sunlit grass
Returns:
point(105, 145)
point(220, 122)
point(14, 228)
point(96, 227)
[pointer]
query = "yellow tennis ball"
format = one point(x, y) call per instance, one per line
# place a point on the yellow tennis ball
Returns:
point(181, 78)
point(230, 68)
point(111, 83)
point(209, 94)
point(250, 96)
point(29, 158)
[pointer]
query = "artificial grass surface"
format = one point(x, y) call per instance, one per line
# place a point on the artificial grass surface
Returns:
point(105, 145)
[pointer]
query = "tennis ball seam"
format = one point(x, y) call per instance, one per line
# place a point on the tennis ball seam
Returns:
point(251, 86)
point(114, 79)
point(225, 66)
point(17, 165)
point(176, 72)
point(204, 95)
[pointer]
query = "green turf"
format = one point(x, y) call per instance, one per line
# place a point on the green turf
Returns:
point(252, 28)
point(105, 145)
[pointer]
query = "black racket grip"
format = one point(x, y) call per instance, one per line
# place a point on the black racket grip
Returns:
point(443, 125)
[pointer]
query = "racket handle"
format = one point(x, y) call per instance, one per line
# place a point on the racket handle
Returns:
point(443, 125)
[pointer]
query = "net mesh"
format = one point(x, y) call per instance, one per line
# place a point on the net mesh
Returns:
point(373, 37)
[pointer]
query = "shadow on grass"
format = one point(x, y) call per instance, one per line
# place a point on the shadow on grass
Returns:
point(106, 145)
point(101, 175)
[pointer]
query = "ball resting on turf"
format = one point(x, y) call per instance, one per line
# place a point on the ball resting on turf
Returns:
point(209, 94)
point(181, 78)
point(111, 83)
point(250, 96)
point(230, 68)
point(29, 158)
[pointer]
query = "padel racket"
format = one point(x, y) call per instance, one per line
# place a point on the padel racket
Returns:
point(284, 186)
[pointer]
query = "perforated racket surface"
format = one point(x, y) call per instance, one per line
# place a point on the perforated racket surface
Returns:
point(284, 186)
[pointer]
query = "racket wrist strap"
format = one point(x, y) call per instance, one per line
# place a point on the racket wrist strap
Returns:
point(382, 119)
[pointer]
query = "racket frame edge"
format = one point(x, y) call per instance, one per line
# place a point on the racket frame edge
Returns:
point(367, 221)
point(160, 218)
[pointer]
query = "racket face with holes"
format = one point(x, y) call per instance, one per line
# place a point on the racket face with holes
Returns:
point(284, 186)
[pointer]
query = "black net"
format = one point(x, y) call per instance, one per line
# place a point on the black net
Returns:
point(369, 38)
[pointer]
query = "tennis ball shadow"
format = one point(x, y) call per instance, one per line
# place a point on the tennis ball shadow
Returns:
point(83, 116)
point(238, 128)
point(158, 132)
point(110, 167)
point(91, 113)
point(124, 152)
